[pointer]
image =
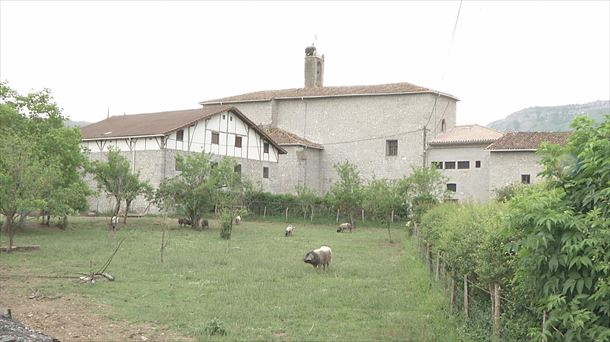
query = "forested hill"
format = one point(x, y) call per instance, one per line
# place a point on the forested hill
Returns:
point(70, 123)
point(550, 119)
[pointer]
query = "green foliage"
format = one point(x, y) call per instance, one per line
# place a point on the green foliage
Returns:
point(564, 254)
point(215, 327)
point(424, 188)
point(507, 192)
point(113, 176)
point(31, 127)
point(346, 193)
point(306, 198)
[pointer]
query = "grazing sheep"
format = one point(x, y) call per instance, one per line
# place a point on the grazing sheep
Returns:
point(344, 226)
point(184, 222)
point(320, 256)
point(114, 221)
point(289, 230)
point(237, 219)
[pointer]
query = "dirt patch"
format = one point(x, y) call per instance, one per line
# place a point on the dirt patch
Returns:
point(70, 317)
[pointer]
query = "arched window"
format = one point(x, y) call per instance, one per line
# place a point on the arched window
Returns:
point(443, 125)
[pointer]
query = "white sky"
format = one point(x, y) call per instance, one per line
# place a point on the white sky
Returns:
point(138, 57)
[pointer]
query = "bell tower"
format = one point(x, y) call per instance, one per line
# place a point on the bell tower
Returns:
point(314, 68)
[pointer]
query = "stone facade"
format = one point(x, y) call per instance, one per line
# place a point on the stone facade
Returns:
point(507, 167)
point(355, 128)
point(471, 183)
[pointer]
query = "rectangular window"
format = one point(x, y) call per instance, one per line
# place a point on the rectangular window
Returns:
point(477, 164)
point(525, 179)
point(237, 141)
point(452, 187)
point(180, 135)
point(391, 147)
point(265, 172)
point(449, 165)
point(463, 165)
point(215, 138)
point(266, 148)
point(438, 165)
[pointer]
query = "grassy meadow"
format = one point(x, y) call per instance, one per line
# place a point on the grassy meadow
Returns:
point(256, 284)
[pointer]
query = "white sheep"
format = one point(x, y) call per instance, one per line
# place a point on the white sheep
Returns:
point(344, 226)
point(321, 256)
point(237, 219)
point(289, 230)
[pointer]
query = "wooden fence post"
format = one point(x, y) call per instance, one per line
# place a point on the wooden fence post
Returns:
point(362, 212)
point(392, 220)
point(286, 214)
point(265, 212)
point(311, 217)
point(337, 216)
point(438, 265)
point(496, 310)
point(452, 294)
point(429, 257)
point(466, 295)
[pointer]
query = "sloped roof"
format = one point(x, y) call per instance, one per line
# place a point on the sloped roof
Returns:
point(527, 141)
point(467, 134)
point(285, 138)
point(160, 124)
point(379, 89)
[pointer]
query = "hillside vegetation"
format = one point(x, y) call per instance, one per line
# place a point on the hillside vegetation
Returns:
point(550, 119)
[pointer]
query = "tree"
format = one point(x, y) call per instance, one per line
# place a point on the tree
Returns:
point(346, 193)
point(306, 198)
point(381, 199)
point(22, 177)
point(192, 192)
point(563, 256)
point(424, 188)
point(133, 188)
point(42, 161)
point(113, 176)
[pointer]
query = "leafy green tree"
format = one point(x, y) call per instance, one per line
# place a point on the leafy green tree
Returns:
point(37, 120)
point(133, 188)
point(381, 198)
point(113, 176)
point(306, 198)
point(346, 194)
point(422, 189)
point(563, 256)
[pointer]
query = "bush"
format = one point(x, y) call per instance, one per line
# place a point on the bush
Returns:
point(215, 327)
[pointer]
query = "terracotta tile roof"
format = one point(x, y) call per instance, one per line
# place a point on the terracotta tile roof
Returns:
point(380, 89)
point(285, 138)
point(529, 141)
point(467, 134)
point(159, 124)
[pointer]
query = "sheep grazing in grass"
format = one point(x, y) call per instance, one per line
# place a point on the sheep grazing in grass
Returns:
point(184, 222)
point(237, 219)
point(344, 226)
point(320, 256)
point(289, 230)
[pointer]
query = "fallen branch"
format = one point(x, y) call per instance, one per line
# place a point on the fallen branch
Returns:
point(90, 277)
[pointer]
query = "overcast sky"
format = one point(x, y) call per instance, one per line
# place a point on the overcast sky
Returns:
point(139, 57)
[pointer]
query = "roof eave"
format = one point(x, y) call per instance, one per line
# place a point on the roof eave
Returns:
point(463, 142)
point(303, 145)
point(513, 150)
point(124, 137)
point(329, 96)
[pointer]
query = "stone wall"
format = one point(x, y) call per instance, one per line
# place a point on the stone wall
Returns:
point(507, 168)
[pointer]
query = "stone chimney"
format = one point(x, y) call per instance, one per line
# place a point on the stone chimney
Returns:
point(314, 68)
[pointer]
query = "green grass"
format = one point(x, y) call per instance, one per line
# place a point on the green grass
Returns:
point(257, 284)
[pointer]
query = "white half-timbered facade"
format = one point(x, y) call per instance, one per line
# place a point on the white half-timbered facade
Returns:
point(151, 142)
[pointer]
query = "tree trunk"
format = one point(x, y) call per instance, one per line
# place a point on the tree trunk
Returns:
point(438, 265)
point(64, 222)
point(117, 207)
point(466, 296)
point(496, 310)
point(127, 205)
point(196, 222)
point(8, 228)
point(22, 218)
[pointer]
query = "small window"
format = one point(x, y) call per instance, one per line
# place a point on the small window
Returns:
point(230, 118)
point(391, 147)
point(266, 148)
point(215, 138)
point(443, 125)
point(438, 165)
point(180, 135)
point(223, 116)
point(463, 165)
point(525, 179)
point(265, 172)
point(451, 187)
point(237, 141)
point(237, 169)
point(449, 165)
point(477, 164)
